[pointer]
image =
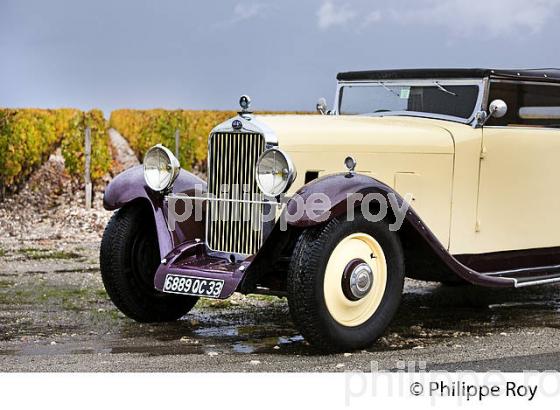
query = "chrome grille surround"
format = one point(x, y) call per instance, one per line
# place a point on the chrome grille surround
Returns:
point(234, 226)
point(234, 222)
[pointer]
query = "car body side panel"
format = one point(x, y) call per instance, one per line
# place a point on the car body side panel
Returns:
point(463, 226)
point(426, 177)
point(130, 186)
point(521, 169)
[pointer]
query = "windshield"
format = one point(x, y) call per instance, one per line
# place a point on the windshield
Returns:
point(434, 98)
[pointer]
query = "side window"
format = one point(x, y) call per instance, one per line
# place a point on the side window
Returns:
point(535, 105)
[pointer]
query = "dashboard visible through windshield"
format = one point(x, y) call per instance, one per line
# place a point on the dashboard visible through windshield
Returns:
point(380, 98)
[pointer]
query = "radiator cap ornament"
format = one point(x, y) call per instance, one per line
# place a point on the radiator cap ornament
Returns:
point(245, 103)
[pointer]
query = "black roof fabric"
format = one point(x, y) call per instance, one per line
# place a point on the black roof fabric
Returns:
point(540, 74)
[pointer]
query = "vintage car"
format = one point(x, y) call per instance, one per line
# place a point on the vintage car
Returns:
point(442, 175)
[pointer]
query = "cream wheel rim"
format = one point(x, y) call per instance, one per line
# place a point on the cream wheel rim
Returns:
point(355, 247)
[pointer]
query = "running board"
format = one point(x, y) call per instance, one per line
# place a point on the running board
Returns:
point(529, 276)
point(537, 280)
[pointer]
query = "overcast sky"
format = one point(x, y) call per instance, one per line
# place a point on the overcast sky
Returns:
point(284, 53)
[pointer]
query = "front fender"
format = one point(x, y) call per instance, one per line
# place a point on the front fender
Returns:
point(130, 186)
point(339, 187)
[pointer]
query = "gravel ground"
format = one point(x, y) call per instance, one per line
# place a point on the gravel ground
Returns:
point(56, 316)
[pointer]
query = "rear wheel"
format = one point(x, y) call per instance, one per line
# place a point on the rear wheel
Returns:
point(345, 283)
point(129, 258)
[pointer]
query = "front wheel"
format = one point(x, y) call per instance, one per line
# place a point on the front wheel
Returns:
point(129, 259)
point(345, 283)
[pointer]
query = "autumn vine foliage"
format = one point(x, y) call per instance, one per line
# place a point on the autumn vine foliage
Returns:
point(145, 128)
point(72, 145)
point(29, 136)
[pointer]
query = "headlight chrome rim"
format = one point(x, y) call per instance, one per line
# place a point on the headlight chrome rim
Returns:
point(289, 179)
point(172, 166)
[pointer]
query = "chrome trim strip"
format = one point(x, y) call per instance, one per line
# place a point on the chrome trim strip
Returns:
point(539, 128)
point(205, 198)
point(539, 113)
point(513, 81)
point(522, 270)
point(536, 282)
point(485, 94)
point(420, 115)
point(249, 124)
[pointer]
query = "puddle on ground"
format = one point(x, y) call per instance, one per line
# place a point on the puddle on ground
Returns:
point(159, 350)
point(221, 332)
point(281, 345)
point(429, 313)
point(475, 309)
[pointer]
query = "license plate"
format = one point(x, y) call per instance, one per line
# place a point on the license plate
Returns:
point(188, 285)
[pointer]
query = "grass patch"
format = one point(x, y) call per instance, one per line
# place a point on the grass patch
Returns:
point(38, 253)
point(73, 299)
point(63, 293)
point(18, 297)
point(112, 314)
point(214, 303)
point(41, 297)
point(5, 284)
point(2, 252)
point(101, 294)
point(264, 298)
point(229, 303)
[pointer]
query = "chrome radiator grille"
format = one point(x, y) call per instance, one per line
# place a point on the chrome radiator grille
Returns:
point(234, 226)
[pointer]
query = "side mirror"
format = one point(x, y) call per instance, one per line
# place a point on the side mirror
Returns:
point(498, 108)
point(322, 106)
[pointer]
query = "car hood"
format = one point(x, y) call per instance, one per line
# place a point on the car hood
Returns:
point(394, 134)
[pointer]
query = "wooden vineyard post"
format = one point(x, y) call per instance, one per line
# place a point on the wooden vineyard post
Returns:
point(87, 176)
point(177, 136)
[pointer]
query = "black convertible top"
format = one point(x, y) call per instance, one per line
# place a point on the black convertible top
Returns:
point(538, 74)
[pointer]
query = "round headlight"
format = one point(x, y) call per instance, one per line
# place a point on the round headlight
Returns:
point(275, 172)
point(160, 168)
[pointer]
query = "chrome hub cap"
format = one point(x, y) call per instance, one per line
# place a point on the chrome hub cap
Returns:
point(357, 279)
point(361, 280)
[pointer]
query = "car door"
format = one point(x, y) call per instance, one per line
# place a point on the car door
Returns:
point(519, 199)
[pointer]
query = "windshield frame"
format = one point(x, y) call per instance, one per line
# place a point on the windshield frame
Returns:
point(481, 83)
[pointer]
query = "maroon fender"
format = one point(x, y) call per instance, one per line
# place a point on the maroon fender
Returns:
point(130, 186)
point(339, 187)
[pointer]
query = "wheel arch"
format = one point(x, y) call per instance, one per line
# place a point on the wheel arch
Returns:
point(130, 187)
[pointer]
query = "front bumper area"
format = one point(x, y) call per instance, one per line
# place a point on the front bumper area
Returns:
point(190, 259)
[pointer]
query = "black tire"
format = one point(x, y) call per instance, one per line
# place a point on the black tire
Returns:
point(306, 297)
point(129, 258)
